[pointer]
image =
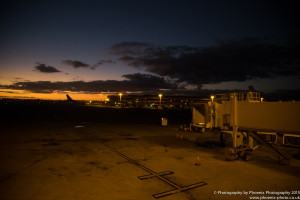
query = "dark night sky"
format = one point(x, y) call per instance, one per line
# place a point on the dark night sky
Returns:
point(87, 47)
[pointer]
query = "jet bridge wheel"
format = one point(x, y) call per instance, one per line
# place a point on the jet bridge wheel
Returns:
point(244, 153)
point(284, 162)
point(247, 156)
point(230, 154)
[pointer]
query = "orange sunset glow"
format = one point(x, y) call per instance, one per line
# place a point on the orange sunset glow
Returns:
point(23, 94)
point(145, 100)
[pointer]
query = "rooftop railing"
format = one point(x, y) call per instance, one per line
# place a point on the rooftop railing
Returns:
point(241, 96)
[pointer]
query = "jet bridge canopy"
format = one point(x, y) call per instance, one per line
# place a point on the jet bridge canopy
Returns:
point(246, 110)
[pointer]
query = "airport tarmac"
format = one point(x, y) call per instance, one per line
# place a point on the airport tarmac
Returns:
point(60, 158)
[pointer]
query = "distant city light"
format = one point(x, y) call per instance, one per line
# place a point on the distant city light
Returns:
point(160, 95)
point(120, 96)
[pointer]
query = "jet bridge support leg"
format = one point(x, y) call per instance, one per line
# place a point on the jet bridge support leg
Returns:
point(283, 159)
point(245, 147)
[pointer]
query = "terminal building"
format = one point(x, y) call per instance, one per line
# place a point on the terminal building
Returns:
point(154, 102)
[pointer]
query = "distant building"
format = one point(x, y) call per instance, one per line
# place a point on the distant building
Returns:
point(151, 101)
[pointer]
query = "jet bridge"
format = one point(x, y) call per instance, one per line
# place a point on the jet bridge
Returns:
point(246, 117)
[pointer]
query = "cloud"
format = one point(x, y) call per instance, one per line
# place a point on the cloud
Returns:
point(102, 62)
point(11, 92)
point(75, 63)
point(235, 60)
point(129, 47)
point(133, 82)
point(144, 82)
point(139, 83)
point(45, 69)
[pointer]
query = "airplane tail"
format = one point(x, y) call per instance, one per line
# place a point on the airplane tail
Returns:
point(69, 98)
